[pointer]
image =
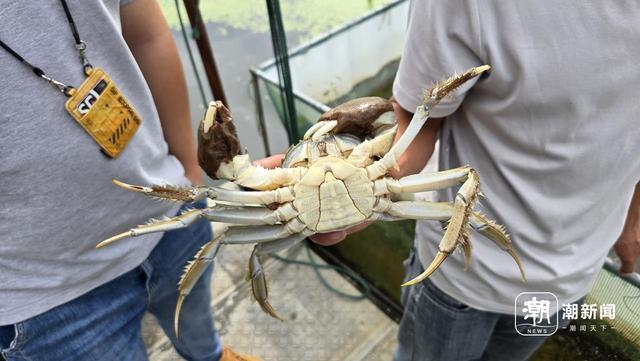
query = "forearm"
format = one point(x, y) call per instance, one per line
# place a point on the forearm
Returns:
point(421, 149)
point(154, 49)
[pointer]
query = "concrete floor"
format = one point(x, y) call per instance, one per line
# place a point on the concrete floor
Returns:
point(319, 325)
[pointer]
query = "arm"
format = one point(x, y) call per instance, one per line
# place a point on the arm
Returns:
point(149, 38)
point(421, 149)
point(628, 245)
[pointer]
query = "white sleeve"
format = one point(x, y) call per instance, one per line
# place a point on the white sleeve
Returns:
point(443, 37)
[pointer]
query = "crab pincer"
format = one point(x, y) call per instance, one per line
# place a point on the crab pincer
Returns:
point(362, 117)
point(218, 140)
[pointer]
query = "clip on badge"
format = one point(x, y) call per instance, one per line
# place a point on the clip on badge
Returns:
point(99, 107)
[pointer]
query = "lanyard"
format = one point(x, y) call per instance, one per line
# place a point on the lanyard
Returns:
point(81, 47)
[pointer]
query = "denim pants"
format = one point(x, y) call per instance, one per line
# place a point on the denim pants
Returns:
point(437, 327)
point(105, 323)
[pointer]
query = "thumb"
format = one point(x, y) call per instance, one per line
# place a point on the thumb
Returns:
point(270, 162)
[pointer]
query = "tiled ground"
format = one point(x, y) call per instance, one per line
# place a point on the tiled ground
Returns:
point(319, 325)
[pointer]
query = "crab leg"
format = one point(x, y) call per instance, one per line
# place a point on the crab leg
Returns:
point(251, 215)
point(183, 220)
point(280, 195)
point(182, 194)
point(261, 234)
point(241, 170)
point(259, 286)
point(456, 233)
point(232, 215)
point(362, 153)
point(442, 211)
point(432, 98)
point(284, 243)
point(196, 267)
point(191, 194)
point(421, 182)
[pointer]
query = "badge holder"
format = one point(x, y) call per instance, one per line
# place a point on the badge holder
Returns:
point(99, 107)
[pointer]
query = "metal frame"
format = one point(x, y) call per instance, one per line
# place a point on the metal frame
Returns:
point(206, 51)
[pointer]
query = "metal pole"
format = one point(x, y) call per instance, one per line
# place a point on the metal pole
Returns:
point(260, 111)
point(279, 42)
point(206, 52)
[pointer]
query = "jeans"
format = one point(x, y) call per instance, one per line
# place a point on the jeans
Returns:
point(437, 327)
point(105, 323)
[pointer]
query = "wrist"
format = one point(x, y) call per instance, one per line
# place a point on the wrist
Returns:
point(194, 174)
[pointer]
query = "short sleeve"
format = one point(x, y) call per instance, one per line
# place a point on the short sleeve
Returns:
point(443, 37)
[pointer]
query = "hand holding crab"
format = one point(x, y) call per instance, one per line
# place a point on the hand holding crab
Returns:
point(335, 178)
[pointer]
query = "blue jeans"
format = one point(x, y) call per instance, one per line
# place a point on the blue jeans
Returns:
point(105, 323)
point(437, 327)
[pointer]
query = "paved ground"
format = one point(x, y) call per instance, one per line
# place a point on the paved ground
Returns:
point(319, 325)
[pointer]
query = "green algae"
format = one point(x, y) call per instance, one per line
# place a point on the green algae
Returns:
point(308, 17)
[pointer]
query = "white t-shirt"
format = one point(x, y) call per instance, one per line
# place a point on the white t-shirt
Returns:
point(553, 132)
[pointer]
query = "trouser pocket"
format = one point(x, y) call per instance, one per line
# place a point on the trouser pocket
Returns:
point(11, 339)
point(409, 266)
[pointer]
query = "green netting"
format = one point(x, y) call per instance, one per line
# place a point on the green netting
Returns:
point(623, 334)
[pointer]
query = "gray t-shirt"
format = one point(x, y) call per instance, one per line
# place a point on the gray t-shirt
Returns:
point(553, 132)
point(57, 198)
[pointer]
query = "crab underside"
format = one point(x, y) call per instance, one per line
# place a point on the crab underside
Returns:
point(336, 177)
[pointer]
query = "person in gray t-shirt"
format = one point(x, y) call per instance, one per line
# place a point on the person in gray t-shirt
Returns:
point(553, 134)
point(60, 298)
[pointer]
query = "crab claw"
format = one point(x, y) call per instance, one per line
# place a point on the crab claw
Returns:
point(361, 117)
point(181, 194)
point(259, 286)
point(456, 233)
point(217, 139)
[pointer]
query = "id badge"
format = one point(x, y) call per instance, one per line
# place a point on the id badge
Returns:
point(99, 107)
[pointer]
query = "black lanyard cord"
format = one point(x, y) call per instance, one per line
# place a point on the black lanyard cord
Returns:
point(72, 24)
point(81, 47)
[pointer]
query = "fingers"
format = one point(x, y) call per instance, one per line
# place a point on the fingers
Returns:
point(358, 227)
point(627, 266)
point(628, 250)
point(331, 238)
point(273, 161)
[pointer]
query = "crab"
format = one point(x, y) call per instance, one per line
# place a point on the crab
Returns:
point(335, 178)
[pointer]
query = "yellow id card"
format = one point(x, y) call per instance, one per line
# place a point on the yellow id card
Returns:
point(99, 107)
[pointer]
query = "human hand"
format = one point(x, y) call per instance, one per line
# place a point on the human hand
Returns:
point(270, 162)
point(331, 238)
point(324, 239)
point(628, 250)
